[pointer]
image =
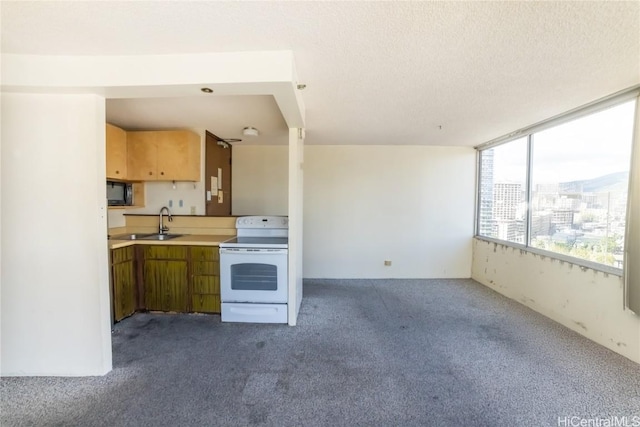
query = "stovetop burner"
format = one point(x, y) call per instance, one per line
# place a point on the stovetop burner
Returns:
point(256, 242)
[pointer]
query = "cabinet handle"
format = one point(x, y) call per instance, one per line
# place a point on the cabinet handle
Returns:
point(150, 173)
point(117, 172)
point(161, 173)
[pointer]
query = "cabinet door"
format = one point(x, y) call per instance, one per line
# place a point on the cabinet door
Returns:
point(124, 290)
point(116, 152)
point(142, 159)
point(165, 283)
point(178, 156)
point(123, 278)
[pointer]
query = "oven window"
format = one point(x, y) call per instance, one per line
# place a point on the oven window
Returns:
point(254, 277)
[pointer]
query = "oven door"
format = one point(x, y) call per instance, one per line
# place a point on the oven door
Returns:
point(253, 275)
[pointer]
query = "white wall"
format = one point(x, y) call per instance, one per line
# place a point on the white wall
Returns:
point(159, 194)
point(116, 218)
point(584, 300)
point(55, 290)
point(260, 180)
point(296, 223)
point(412, 205)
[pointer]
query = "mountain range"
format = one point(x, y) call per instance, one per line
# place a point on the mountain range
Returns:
point(617, 181)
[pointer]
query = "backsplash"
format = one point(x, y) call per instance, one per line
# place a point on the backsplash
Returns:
point(180, 198)
point(209, 225)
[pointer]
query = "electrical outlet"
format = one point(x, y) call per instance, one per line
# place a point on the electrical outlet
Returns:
point(387, 262)
point(193, 210)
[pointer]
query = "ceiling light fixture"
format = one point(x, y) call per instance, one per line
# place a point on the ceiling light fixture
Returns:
point(250, 131)
point(206, 90)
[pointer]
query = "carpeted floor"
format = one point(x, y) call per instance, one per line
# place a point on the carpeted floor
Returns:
point(366, 352)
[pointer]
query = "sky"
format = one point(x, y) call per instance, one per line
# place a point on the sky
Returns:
point(589, 147)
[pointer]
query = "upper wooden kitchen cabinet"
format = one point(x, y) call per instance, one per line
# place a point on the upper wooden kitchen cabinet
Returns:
point(116, 152)
point(163, 156)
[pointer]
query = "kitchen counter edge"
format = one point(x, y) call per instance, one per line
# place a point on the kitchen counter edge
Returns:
point(186, 240)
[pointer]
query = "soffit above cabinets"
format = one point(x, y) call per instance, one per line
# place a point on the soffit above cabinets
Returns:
point(226, 116)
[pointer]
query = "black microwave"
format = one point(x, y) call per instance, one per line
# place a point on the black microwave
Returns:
point(119, 193)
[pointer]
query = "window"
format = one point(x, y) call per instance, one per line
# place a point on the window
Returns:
point(563, 188)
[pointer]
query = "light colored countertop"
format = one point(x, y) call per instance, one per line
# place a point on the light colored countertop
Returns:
point(186, 240)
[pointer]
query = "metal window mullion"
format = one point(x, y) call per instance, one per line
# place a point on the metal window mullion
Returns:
point(631, 271)
point(476, 231)
point(529, 192)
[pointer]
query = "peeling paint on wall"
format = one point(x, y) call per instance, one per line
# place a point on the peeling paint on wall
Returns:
point(589, 304)
point(580, 324)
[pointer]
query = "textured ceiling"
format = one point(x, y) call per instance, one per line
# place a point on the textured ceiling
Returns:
point(436, 73)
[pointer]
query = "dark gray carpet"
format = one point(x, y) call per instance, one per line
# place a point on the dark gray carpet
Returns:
point(366, 352)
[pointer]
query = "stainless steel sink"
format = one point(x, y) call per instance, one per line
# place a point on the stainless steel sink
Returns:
point(145, 236)
point(133, 236)
point(160, 236)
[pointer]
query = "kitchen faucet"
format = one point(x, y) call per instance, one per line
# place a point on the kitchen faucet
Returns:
point(162, 229)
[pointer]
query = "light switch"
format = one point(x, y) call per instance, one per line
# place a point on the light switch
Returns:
point(208, 195)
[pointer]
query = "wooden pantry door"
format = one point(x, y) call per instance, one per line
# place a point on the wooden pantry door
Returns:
point(217, 165)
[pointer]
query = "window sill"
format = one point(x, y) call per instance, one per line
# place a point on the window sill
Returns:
point(582, 263)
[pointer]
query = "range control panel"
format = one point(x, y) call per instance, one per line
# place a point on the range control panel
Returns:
point(262, 222)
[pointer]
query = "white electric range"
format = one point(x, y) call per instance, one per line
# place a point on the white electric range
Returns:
point(254, 271)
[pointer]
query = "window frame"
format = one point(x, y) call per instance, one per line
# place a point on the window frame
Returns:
point(591, 108)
